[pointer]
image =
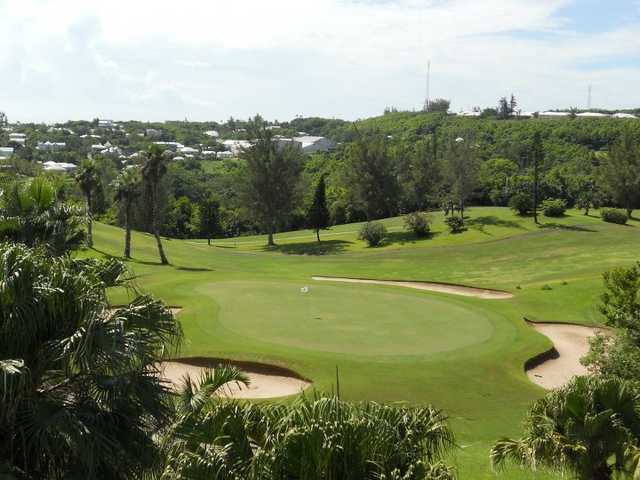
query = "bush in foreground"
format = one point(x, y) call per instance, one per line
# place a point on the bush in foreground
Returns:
point(589, 428)
point(373, 233)
point(612, 215)
point(554, 207)
point(455, 224)
point(521, 204)
point(311, 438)
point(418, 223)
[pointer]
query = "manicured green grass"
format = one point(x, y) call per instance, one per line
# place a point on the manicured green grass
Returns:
point(241, 300)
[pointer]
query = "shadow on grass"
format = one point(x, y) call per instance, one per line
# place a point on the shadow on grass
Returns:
point(571, 228)
point(325, 247)
point(479, 223)
point(405, 237)
point(129, 260)
point(194, 269)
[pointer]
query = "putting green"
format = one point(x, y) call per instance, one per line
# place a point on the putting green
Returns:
point(348, 319)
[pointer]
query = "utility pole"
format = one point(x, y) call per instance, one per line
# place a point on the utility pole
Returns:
point(589, 98)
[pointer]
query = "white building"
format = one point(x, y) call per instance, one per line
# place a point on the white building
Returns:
point(236, 146)
point(152, 132)
point(19, 138)
point(310, 144)
point(470, 113)
point(62, 167)
point(6, 152)
point(623, 115)
point(554, 115)
point(104, 123)
point(173, 146)
point(592, 115)
point(223, 155)
point(51, 146)
point(212, 133)
point(188, 150)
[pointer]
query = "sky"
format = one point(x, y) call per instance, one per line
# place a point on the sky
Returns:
point(211, 59)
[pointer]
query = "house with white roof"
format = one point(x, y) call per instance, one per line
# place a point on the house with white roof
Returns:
point(62, 167)
point(592, 115)
point(212, 133)
point(623, 115)
point(236, 146)
point(51, 146)
point(19, 138)
point(6, 152)
point(554, 115)
point(105, 123)
point(310, 144)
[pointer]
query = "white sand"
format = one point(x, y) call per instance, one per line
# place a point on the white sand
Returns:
point(572, 343)
point(431, 286)
point(262, 385)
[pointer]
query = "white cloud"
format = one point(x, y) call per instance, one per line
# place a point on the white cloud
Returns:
point(208, 60)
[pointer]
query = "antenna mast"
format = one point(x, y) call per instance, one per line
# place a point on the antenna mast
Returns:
point(589, 98)
point(427, 101)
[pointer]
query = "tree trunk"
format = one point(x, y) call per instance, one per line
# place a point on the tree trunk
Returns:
point(629, 212)
point(462, 211)
point(270, 242)
point(89, 222)
point(318, 234)
point(209, 241)
point(156, 227)
point(127, 231)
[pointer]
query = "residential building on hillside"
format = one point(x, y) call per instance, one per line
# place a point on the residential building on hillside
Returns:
point(236, 146)
point(6, 152)
point(51, 146)
point(19, 138)
point(104, 123)
point(212, 133)
point(173, 146)
point(309, 144)
point(62, 167)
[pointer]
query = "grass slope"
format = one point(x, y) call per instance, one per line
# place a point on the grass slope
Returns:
point(241, 300)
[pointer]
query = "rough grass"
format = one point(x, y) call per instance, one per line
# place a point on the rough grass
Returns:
point(241, 300)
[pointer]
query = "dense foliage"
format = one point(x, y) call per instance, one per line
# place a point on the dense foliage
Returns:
point(79, 392)
point(612, 215)
point(373, 233)
point(418, 223)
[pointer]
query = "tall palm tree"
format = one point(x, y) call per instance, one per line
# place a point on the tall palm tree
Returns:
point(590, 428)
point(154, 167)
point(88, 181)
point(127, 188)
point(31, 213)
point(80, 395)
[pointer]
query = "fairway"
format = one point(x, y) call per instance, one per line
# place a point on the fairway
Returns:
point(348, 319)
point(242, 301)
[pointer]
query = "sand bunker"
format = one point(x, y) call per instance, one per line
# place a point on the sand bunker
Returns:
point(266, 381)
point(554, 369)
point(431, 286)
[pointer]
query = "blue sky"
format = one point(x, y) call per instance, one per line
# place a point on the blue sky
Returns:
point(208, 60)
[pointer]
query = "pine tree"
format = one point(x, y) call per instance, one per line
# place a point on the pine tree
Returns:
point(318, 214)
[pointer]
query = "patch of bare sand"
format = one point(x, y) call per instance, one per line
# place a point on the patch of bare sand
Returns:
point(265, 381)
point(431, 286)
point(555, 369)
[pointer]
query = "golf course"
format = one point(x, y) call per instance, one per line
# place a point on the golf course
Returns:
point(461, 350)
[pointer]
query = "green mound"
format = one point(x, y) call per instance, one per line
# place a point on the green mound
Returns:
point(348, 319)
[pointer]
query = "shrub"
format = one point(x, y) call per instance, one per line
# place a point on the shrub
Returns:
point(521, 203)
point(554, 207)
point(418, 223)
point(611, 215)
point(373, 233)
point(456, 224)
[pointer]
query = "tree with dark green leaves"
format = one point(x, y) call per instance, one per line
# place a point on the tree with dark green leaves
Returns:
point(589, 428)
point(272, 180)
point(154, 167)
point(127, 189)
point(461, 170)
point(620, 172)
point(88, 181)
point(210, 217)
point(80, 394)
point(371, 174)
point(318, 213)
point(536, 155)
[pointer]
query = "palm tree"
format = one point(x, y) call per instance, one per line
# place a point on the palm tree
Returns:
point(590, 427)
point(88, 181)
point(153, 169)
point(127, 188)
point(319, 438)
point(32, 214)
point(80, 395)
